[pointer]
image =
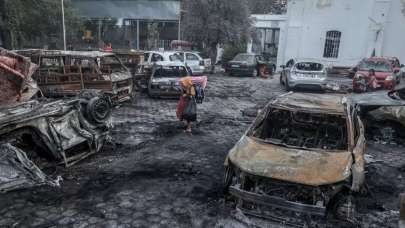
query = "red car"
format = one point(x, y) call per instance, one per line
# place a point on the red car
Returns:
point(375, 73)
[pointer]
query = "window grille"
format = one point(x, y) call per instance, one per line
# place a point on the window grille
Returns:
point(332, 44)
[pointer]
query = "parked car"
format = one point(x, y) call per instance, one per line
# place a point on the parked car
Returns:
point(151, 57)
point(304, 153)
point(250, 65)
point(303, 73)
point(381, 70)
point(66, 73)
point(197, 65)
point(164, 81)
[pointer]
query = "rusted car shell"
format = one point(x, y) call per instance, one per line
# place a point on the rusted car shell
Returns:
point(313, 168)
point(66, 78)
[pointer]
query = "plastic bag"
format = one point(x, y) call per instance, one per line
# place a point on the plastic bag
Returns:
point(199, 94)
point(190, 111)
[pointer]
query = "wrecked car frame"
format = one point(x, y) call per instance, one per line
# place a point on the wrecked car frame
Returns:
point(62, 131)
point(66, 73)
point(283, 161)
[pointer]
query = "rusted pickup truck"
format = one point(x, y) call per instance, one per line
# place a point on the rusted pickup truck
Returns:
point(66, 73)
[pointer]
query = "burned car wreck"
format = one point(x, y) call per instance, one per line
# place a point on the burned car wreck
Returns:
point(66, 73)
point(303, 154)
point(33, 131)
point(62, 131)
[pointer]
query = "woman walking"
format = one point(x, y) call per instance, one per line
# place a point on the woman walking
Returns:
point(185, 110)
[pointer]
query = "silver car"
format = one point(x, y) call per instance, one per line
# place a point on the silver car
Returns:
point(304, 74)
point(195, 63)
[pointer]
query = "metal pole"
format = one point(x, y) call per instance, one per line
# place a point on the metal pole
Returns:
point(137, 35)
point(63, 25)
point(179, 36)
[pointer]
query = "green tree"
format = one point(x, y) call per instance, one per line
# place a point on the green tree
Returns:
point(267, 6)
point(213, 22)
point(23, 21)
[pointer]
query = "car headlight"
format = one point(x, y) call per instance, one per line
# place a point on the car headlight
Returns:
point(390, 78)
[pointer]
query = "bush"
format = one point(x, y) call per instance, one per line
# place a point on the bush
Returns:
point(230, 51)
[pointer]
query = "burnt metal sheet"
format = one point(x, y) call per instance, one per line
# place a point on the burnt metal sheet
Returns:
point(314, 168)
point(393, 113)
point(16, 84)
point(321, 103)
point(18, 171)
point(395, 97)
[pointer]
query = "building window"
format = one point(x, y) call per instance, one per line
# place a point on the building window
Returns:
point(332, 44)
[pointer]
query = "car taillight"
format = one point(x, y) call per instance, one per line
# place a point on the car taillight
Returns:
point(202, 63)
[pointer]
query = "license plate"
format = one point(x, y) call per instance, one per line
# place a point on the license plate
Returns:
point(307, 75)
point(235, 66)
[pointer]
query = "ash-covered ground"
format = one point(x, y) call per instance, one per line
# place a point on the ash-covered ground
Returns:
point(158, 176)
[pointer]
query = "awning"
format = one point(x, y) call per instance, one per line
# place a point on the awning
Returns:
point(125, 9)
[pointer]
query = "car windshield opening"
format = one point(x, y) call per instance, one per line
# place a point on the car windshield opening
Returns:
point(304, 130)
point(244, 58)
point(376, 66)
point(308, 66)
point(170, 72)
point(112, 63)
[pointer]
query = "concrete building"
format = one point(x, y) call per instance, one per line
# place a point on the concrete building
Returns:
point(340, 32)
point(268, 35)
point(137, 24)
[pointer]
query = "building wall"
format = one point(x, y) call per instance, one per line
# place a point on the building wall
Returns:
point(394, 39)
point(367, 27)
point(264, 21)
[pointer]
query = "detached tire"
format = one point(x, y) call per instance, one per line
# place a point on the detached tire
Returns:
point(98, 110)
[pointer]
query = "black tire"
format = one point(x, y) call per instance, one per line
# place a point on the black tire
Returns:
point(255, 73)
point(287, 86)
point(273, 70)
point(98, 110)
point(344, 208)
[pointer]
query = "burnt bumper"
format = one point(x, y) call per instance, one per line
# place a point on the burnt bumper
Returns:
point(276, 202)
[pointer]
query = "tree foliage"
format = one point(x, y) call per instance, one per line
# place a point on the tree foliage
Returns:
point(267, 6)
point(33, 20)
point(212, 22)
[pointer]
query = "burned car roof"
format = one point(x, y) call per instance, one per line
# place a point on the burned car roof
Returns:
point(91, 54)
point(333, 103)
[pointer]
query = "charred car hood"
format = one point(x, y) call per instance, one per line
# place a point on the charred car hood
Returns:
point(120, 76)
point(165, 80)
point(313, 168)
